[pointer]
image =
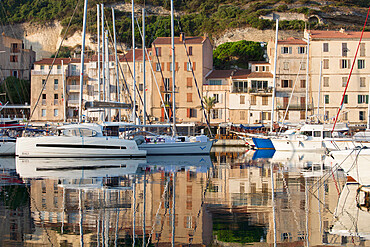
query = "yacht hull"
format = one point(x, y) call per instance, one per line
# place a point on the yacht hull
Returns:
point(177, 148)
point(297, 145)
point(76, 147)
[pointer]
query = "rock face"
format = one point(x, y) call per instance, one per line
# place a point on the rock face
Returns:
point(252, 34)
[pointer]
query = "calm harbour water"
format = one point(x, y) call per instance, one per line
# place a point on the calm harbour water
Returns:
point(224, 199)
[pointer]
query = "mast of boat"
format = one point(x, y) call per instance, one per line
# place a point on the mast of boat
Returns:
point(319, 91)
point(98, 36)
point(274, 76)
point(173, 70)
point(81, 214)
point(133, 65)
point(107, 73)
point(82, 62)
point(134, 210)
point(307, 68)
point(115, 53)
point(273, 202)
point(368, 113)
point(173, 205)
point(103, 55)
point(144, 79)
point(64, 95)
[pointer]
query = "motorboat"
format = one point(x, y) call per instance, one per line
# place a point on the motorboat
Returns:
point(84, 140)
point(312, 137)
point(177, 145)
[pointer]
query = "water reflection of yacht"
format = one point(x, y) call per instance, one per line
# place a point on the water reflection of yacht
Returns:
point(354, 162)
point(177, 162)
point(76, 168)
point(350, 220)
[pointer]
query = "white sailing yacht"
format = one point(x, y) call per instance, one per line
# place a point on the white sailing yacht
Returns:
point(81, 140)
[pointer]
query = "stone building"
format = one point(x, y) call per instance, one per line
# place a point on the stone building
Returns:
point(15, 59)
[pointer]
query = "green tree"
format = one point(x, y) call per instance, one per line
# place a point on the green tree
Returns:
point(209, 103)
point(237, 54)
point(16, 91)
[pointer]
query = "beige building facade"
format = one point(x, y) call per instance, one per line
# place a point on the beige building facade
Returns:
point(15, 59)
point(193, 61)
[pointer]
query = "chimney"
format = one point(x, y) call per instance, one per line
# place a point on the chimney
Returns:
point(182, 37)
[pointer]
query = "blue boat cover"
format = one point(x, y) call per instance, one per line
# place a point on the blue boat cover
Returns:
point(263, 154)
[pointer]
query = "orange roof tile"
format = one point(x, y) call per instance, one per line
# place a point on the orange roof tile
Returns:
point(218, 74)
point(241, 74)
point(292, 41)
point(138, 55)
point(321, 34)
point(188, 40)
point(260, 75)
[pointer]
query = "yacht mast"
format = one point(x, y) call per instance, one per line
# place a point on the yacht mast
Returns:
point(144, 79)
point(82, 63)
point(115, 53)
point(98, 36)
point(307, 68)
point(173, 70)
point(133, 65)
point(274, 78)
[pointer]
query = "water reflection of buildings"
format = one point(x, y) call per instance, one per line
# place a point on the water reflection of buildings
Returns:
point(109, 210)
point(242, 189)
point(15, 212)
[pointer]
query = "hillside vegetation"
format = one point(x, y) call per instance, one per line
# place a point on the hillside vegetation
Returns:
point(197, 16)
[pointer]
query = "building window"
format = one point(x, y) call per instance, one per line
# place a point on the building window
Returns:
point(361, 63)
point(189, 97)
point(15, 73)
point(286, 65)
point(266, 115)
point(217, 98)
point(345, 116)
point(42, 67)
point(325, 47)
point(326, 63)
point(13, 58)
point(326, 99)
point(344, 49)
point(301, 50)
point(158, 67)
point(190, 50)
point(361, 115)
point(303, 66)
point(362, 50)
point(345, 99)
point(59, 67)
point(141, 86)
point(344, 63)
point(242, 115)
point(303, 83)
point(326, 81)
point(214, 82)
point(240, 86)
point(43, 99)
point(286, 83)
point(257, 68)
point(55, 99)
point(242, 99)
point(188, 66)
point(158, 51)
point(43, 112)
point(166, 84)
point(362, 99)
point(216, 114)
point(253, 100)
point(14, 48)
point(302, 115)
point(265, 100)
point(55, 84)
point(344, 81)
point(362, 82)
point(286, 50)
point(191, 113)
point(189, 82)
point(258, 85)
point(55, 112)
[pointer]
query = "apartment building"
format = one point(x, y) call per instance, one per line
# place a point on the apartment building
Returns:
point(291, 73)
point(193, 56)
point(15, 59)
point(332, 56)
point(126, 82)
point(55, 89)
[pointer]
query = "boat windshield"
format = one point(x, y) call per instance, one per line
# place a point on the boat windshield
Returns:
point(79, 132)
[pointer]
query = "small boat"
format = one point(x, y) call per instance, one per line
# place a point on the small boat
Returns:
point(77, 141)
point(178, 145)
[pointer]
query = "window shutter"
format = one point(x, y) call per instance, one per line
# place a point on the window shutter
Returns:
point(359, 99)
point(168, 66)
point(290, 83)
point(290, 50)
point(188, 112)
point(189, 82)
point(349, 63)
point(194, 66)
point(185, 65)
point(162, 66)
point(282, 50)
point(176, 66)
point(367, 99)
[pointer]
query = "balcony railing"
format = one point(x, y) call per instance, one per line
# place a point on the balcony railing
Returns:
point(294, 106)
point(46, 72)
point(73, 102)
point(260, 90)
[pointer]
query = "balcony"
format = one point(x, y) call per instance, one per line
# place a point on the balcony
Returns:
point(46, 72)
point(75, 88)
point(73, 102)
point(260, 91)
point(294, 107)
